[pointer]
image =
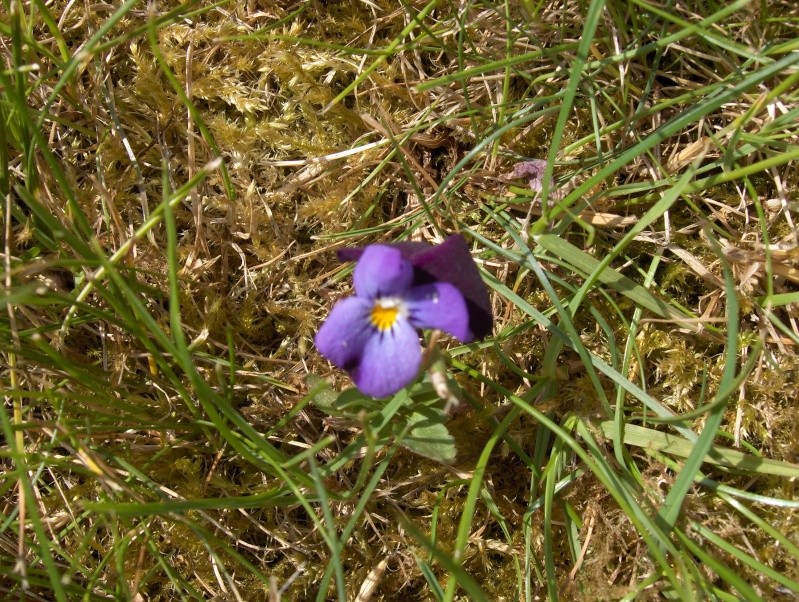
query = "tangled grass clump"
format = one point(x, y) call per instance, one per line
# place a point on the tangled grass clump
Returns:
point(176, 179)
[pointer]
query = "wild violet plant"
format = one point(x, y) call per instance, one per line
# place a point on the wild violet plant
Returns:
point(401, 288)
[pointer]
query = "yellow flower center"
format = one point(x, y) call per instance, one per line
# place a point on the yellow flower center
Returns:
point(384, 314)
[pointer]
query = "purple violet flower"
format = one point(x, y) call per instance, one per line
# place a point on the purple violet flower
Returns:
point(400, 288)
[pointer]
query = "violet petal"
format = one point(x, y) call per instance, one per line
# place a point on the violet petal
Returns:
point(381, 272)
point(452, 262)
point(345, 333)
point(533, 170)
point(441, 306)
point(390, 361)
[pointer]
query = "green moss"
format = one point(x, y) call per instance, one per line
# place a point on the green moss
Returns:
point(111, 417)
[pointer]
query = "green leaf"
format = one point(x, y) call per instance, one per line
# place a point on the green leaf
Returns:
point(427, 435)
point(670, 510)
point(430, 577)
point(322, 395)
point(334, 403)
point(582, 262)
point(416, 422)
point(675, 445)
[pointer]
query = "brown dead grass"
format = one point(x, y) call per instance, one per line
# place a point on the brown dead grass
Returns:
point(257, 273)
